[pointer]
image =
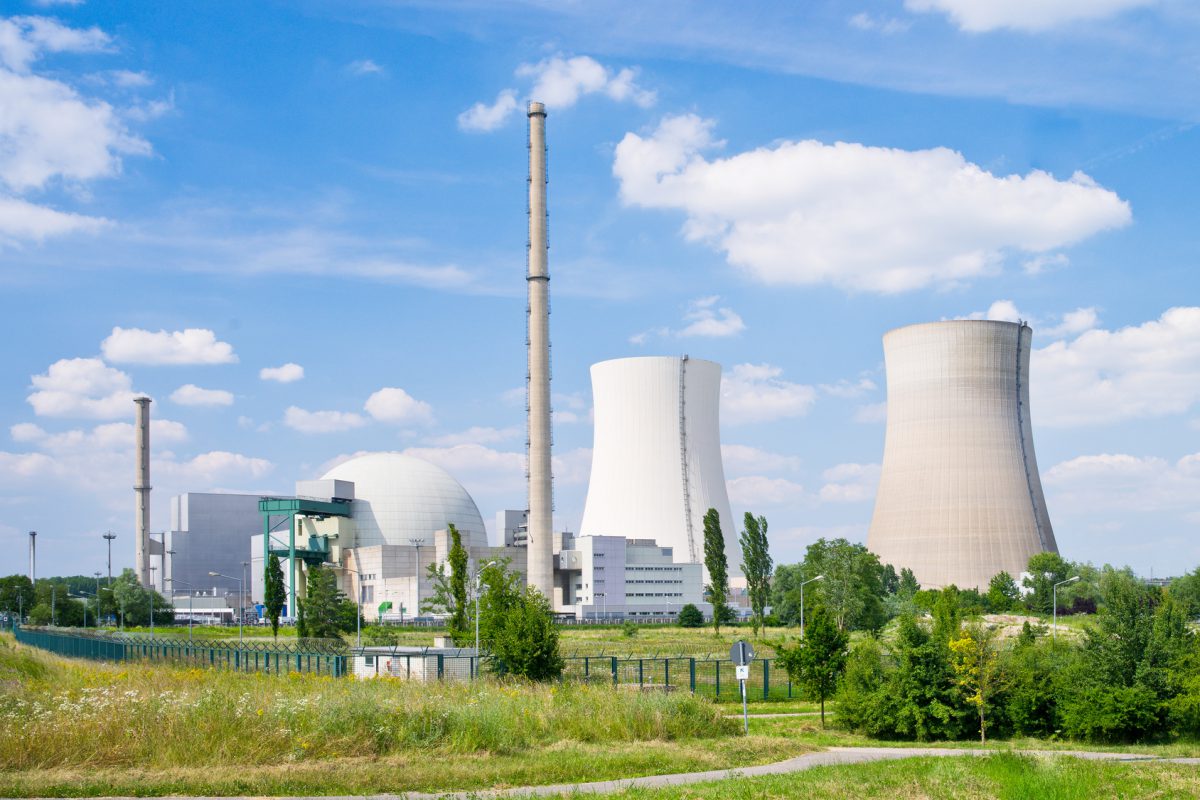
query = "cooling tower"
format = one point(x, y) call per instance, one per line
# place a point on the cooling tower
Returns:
point(656, 455)
point(959, 495)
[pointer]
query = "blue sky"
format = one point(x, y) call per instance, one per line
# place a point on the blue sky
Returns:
point(192, 193)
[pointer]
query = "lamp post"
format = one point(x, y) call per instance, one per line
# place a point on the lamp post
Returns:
point(416, 542)
point(191, 610)
point(357, 605)
point(97, 574)
point(241, 593)
point(1054, 602)
point(478, 583)
point(53, 592)
point(109, 536)
point(604, 602)
point(802, 583)
point(82, 595)
point(245, 583)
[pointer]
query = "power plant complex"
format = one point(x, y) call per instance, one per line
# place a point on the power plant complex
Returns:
point(959, 499)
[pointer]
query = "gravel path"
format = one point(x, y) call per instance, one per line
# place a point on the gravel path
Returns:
point(831, 757)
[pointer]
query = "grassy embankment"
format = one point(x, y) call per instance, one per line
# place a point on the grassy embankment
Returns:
point(79, 728)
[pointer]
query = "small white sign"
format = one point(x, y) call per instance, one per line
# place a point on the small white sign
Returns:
point(743, 672)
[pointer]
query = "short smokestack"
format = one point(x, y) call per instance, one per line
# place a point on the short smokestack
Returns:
point(141, 488)
point(33, 556)
point(541, 504)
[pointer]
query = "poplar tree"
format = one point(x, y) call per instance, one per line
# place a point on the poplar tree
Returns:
point(756, 564)
point(274, 593)
point(717, 565)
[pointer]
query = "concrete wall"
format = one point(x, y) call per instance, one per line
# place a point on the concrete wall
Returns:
point(210, 532)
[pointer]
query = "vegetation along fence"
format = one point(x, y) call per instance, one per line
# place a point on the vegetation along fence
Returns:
point(706, 675)
point(278, 658)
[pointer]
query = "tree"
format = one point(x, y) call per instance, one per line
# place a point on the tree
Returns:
point(690, 617)
point(817, 662)
point(522, 637)
point(323, 608)
point(134, 601)
point(852, 591)
point(16, 594)
point(274, 593)
point(976, 663)
point(1002, 594)
point(1045, 570)
point(450, 590)
point(717, 566)
point(756, 565)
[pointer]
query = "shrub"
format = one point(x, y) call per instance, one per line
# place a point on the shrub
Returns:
point(629, 628)
point(690, 617)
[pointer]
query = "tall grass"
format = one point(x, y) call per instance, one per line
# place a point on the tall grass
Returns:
point(56, 712)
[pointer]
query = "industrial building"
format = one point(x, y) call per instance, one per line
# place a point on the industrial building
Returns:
point(960, 498)
point(656, 456)
point(208, 533)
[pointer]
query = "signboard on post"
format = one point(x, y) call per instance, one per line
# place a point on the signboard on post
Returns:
point(741, 654)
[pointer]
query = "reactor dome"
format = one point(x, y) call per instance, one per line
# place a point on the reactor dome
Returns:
point(399, 498)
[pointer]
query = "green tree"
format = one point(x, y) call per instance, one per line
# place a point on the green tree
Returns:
point(756, 565)
point(323, 607)
point(1002, 594)
point(818, 660)
point(1045, 570)
point(1185, 589)
point(450, 590)
point(852, 591)
point(717, 565)
point(16, 594)
point(690, 617)
point(976, 661)
point(134, 601)
point(274, 593)
point(524, 641)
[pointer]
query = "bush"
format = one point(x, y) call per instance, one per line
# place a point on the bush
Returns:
point(690, 617)
point(525, 642)
point(629, 628)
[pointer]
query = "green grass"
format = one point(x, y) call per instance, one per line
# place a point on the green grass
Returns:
point(1003, 776)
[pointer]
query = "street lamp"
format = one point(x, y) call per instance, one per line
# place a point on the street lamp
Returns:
point(84, 596)
point(152, 601)
point(97, 574)
point(358, 605)
point(191, 610)
point(1054, 602)
point(802, 583)
point(478, 580)
point(241, 599)
point(109, 536)
point(604, 602)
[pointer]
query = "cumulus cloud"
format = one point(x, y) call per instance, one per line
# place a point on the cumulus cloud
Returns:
point(757, 393)
point(477, 435)
point(888, 26)
point(1074, 322)
point(849, 483)
point(1102, 376)
point(299, 419)
point(1122, 482)
point(1070, 323)
point(364, 67)
point(190, 346)
point(740, 458)
point(849, 389)
point(485, 117)
point(862, 218)
point(701, 319)
point(1029, 16)
point(392, 404)
point(192, 395)
point(287, 373)
point(111, 436)
point(757, 490)
point(82, 387)
point(871, 413)
point(559, 83)
point(49, 132)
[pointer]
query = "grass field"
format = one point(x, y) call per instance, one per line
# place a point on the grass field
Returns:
point(1004, 776)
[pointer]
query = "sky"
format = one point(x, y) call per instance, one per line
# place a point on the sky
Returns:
point(300, 228)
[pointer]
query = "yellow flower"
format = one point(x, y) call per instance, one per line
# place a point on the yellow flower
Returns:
point(260, 712)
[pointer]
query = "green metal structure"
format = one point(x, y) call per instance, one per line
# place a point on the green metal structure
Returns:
point(315, 550)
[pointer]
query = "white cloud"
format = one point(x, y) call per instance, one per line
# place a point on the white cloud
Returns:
point(885, 25)
point(82, 387)
point(364, 67)
point(23, 220)
point(321, 421)
point(871, 413)
point(478, 467)
point(128, 79)
point(1103, 376)
point(849, 389)
point(756, 393)
point(558, 82)
point(1000, 311)
point(484, 117)
point(392, 404)
point(849, 483)
point(287, 373)
point(1122, 483)
point(758, 490)
point(190, 346)
point(1030, 16)
point(477, 435)
point(1074, 322)
point(1040, 263)
point(1070, 323)
point(703, 319)
point(740, 458)
point(192, 395)
point(24, 39)
point(111, 436)
point(862, 218)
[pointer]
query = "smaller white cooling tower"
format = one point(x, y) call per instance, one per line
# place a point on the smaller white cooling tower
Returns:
point(656, 456)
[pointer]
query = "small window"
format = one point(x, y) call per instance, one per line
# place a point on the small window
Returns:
point(370, 661)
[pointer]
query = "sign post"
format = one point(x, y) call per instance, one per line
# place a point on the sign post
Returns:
point(741, 654)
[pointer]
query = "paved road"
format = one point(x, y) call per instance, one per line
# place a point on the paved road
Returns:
point(831, 757)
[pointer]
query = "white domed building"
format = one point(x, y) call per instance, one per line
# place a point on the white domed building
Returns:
point(399, 498)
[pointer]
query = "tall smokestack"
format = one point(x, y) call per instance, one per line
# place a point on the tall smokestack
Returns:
point(33, 556)
point(141, 539)
point(540, 555)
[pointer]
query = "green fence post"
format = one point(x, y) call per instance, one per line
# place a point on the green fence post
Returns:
point(614, 670)
point(441, 665)
point(718, 694)
point(692, 676)
point(666, 673)
point(766, 679)
point(641, 672)
point(585, 666)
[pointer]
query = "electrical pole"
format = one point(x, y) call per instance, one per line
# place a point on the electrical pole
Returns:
point(110, 536)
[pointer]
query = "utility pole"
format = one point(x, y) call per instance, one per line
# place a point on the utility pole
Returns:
point(110, 536)
point(33, 557)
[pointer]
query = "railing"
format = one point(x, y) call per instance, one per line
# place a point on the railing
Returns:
point(705, 675)
point(317, 656)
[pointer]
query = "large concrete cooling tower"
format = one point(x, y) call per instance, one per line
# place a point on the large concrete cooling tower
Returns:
point(656, 456)
point(959, 496)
